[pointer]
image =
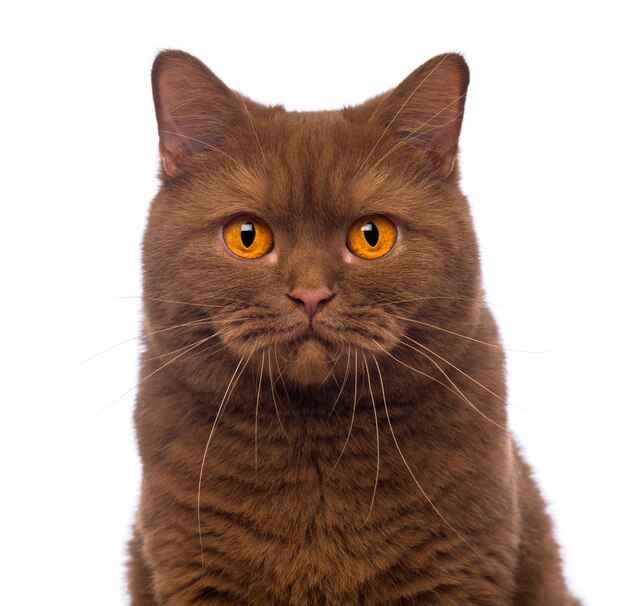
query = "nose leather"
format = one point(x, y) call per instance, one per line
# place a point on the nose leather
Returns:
point(311, 300)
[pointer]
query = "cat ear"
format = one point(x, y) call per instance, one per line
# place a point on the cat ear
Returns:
point(426, 109)
point(194, 108)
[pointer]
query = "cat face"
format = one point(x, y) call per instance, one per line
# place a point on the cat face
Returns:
point(305, 236)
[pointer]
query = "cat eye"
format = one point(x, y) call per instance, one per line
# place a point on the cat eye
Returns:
point(248, 237)
point(371, 237)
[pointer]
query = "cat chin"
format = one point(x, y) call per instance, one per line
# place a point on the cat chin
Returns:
point(309, 363)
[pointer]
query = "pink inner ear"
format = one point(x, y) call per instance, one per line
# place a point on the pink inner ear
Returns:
point(426, 109)
point(194, 108)
point(171, 162)
point(172, 94)
point(175, 143)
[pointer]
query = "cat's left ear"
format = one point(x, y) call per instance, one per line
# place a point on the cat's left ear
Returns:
point(426, 109)
point(195, 110)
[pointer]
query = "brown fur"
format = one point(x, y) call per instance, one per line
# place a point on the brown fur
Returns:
point(430, 501)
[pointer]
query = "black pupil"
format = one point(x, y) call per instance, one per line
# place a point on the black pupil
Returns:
point(370, 232)
point(248, 233)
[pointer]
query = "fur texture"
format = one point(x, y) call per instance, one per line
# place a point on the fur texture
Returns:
point(360, 456)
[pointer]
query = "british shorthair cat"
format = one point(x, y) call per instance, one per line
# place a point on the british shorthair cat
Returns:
point(322, 410)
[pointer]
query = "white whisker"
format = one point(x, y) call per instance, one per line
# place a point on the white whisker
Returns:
point(232, 382)
point(186, 350)
point(345, 378)
point(272, 389)
point(406, 464)
point(345, 444)
point(456, 388)
point(369, 383)
point(256, 418)
point(496, 345)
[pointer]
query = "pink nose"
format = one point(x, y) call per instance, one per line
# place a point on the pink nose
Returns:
point(311, 300)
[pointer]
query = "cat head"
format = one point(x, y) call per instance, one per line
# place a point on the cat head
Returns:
point(305, 237)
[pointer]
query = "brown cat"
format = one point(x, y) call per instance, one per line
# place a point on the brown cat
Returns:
point(322, 414)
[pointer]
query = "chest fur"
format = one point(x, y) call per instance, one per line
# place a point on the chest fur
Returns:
point(292, 507)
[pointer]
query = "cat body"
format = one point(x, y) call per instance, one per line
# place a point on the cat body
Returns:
point(321, 420)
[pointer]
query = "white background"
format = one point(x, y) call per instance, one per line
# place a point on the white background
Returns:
point(542, 163)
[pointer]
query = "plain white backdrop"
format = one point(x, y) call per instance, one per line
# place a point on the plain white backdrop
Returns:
point(542, 163)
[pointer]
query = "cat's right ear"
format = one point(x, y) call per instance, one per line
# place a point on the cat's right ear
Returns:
point(194, 108)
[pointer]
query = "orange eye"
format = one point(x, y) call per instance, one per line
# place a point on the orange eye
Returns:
point(371, 237)
point(248, 237)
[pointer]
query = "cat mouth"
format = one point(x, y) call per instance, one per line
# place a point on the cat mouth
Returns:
point(307, 336)
point(308, 356)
